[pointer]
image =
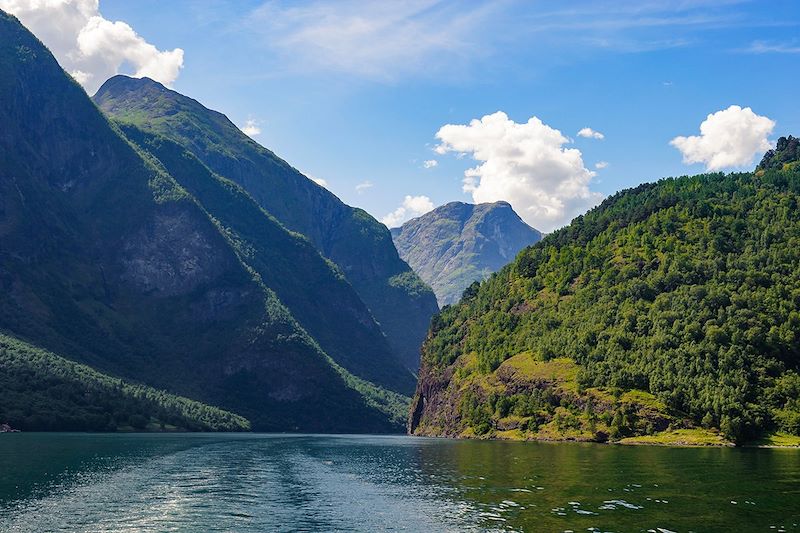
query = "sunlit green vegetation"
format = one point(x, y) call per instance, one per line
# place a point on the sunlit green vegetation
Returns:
point(687, 289)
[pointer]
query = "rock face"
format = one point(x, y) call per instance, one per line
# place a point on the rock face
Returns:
point(357, 243)
point(458, 243)
point(143, 264)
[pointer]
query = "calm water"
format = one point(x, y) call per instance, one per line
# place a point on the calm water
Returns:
point(80, 482)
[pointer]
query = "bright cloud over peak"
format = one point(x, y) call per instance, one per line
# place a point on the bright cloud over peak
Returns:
point(589, 133)
point(524, 164)
point(728, 139)
point(412, 206)
point(251, 128)
point(90, 47)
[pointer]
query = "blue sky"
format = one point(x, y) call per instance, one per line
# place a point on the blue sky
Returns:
point(354, 93)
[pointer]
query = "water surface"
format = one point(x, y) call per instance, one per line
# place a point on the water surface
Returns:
point(212, 482)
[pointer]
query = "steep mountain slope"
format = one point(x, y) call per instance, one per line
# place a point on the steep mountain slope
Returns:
point(311, 287)
point(105, 259)
point(675, 303)
point(44, 392)
point(357, 243)
point(457, 244)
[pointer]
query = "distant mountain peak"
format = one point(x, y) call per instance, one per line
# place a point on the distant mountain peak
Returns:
point(459, 243)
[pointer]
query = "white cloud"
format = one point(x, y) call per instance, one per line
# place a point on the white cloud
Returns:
point(430, 163)
point(600, 165)
point(362, 187)
point(90, 47)
point(392, 40)
point(251, 128)
point(729, 138)
point(524, 164)
point(589, 133)
point(319, 181)
point(377, 40)
point(764, 47)
point(412, 206)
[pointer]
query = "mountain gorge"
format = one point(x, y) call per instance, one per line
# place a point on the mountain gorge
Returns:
point(358, 244)
point(667, 314)
point(124, 253)
point(457, 244)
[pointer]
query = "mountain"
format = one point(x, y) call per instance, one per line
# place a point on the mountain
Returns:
point(172, 281)
point(358, 244)
point(671, 309)
point(313, 290)
point(457, 244)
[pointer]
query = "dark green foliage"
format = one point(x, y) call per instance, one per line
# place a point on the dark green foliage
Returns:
point(786, 152)
point(688, 288)
point(40, 391)
point(357, 243)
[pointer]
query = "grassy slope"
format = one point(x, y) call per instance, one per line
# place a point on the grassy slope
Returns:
point(42, 391)
point(686, 290)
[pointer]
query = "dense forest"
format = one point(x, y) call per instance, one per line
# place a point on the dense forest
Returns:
point(45, 392)
point(684, 292)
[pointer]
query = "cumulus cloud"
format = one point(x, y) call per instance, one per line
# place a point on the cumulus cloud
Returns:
point(589, 133)
point(729, 138)
point(412, 206)
point(364, 186)
point(90, 47)
point(525, 165)
point(251, 128)
point(600, 165)
point(430, 163)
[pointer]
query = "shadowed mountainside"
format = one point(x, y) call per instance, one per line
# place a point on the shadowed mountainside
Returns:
point(357, 243)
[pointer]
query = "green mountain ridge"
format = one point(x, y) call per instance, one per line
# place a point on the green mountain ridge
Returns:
point(672, 307)
point(108, 261)
point(457, 244)
point(357, 243)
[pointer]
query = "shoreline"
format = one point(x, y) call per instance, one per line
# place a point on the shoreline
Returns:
point(632, 442)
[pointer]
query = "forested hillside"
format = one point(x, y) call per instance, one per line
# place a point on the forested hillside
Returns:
point(675, 304)
point(44, 392)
